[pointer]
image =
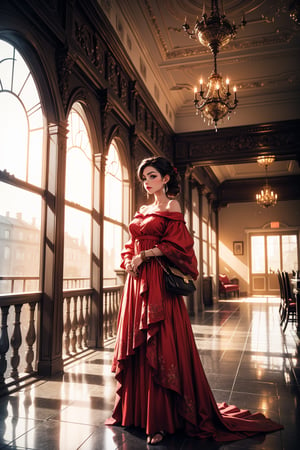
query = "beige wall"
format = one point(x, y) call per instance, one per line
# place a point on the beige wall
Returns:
point(236, 220)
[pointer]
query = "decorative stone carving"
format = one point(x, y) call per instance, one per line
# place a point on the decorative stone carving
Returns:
point(119, 82)
point(134, 139)
point(92, 46)
point(250, 142)
point(160, 138)
point(84, 37)
point(124, 89)
point(140, 113)
point(106, 108)
point(64, 65)
point(99, 55)
point(132, 95)
point(113, 73)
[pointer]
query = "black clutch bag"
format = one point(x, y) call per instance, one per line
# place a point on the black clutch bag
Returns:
point(176, 282)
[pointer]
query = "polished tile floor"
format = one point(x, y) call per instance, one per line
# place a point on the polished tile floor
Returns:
point(247, 360)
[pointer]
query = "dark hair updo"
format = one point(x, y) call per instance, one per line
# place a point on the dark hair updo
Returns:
point(164, 167)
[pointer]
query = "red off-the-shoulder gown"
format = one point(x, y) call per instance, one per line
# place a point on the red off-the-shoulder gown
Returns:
point(161, 384)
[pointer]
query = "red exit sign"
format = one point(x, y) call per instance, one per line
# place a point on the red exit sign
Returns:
point(274, 224)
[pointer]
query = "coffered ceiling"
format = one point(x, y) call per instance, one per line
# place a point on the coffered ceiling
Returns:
point(262, 61)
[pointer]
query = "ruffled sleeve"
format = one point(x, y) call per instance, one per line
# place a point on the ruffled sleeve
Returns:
point(178, 245)
point(127, 253)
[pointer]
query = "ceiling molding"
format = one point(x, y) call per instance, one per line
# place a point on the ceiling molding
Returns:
point(259, 42)
point(239, 191)
point(239, 144)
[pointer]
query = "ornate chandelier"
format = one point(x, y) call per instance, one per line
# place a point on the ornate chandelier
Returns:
point(266, 197)
point(215, 104)
point(214, 32)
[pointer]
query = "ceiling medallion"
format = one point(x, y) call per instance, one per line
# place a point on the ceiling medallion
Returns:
point(266, 197)
point(214, 32)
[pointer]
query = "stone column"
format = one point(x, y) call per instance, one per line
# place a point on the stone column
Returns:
point(51, 314)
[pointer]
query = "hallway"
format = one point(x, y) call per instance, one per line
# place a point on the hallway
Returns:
point(247, 360)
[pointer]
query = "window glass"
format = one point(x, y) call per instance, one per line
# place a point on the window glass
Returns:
point(78, 219)
point(77, 248)
point(113, 185)
point(204, 230)
point(195, 212)
point(79, 162)
point(205, 259)
point(114, 213)
point(258, 254)
point(289, 252)
point(20, 248)
point(273, 251)
point(112, 250)
point(22, 151)
point(21, 158)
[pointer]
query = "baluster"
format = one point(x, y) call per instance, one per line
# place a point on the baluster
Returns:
point(113, 301)
point(74, 326)
point(86, 321)
point(80, 323)
point(105, 316)
point(67, 327)
point(111, 296)
point(4, 345)
point(16, 341)
point(30, 338)
point(115, 312)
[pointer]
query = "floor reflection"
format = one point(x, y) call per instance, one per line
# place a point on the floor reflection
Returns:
point(247, 361)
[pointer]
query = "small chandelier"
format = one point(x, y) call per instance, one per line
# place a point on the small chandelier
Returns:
point(215, 104)
point(266, 197)
point(214, 32)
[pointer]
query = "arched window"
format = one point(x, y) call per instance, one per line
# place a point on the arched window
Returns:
point(22, 134)
point(78, 202)
point(115, 214)
point(113, 185)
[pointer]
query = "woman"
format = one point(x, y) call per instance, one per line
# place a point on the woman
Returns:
point(161, 383)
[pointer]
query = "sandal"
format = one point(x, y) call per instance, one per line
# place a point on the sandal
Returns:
point(151, 437)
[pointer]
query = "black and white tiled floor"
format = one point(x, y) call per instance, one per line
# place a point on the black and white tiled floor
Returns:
point(247, 360)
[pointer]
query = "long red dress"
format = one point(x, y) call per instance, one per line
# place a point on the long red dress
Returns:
point(161, 382)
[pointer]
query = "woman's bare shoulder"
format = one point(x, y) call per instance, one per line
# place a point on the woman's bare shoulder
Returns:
point(144, 208)
point(174, 206)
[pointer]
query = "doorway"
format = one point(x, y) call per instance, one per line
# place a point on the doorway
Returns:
point(270, 252)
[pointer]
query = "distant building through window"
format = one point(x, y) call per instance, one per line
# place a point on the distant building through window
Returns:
point(78, 202)
point(21, 168)
point(116, 201)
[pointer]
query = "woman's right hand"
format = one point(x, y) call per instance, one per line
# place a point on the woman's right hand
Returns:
point(129, 269)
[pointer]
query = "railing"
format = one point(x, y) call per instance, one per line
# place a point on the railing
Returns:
point(111, 304)
point(77, 315)
point(76, 283)
point(78, 318)
point(84, 282)
point(18, 319)
point(12, 284)
point(18, 332)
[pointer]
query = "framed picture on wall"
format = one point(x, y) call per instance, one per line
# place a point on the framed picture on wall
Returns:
point(238, 247)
